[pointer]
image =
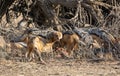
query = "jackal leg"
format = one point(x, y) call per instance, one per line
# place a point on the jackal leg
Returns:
point(40, 57)
point(30, 54)
point(69, 49)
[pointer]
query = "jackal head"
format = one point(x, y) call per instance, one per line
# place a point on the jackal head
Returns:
point(54, 36)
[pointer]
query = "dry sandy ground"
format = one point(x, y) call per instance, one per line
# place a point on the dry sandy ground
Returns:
point(59, 67)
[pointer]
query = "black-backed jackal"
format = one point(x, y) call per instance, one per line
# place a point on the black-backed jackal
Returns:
point(105, 40)
point(70, 41)
point(41, 44)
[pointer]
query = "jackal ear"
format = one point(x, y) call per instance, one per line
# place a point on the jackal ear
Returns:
point(60, 35)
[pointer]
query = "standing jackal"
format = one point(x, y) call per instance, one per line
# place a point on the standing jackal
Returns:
point(70, 41)
point(41, 44)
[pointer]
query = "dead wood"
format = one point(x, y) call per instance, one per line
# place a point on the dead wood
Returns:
point(18, 15)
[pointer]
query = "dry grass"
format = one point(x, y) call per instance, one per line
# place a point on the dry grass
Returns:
point(59, 67)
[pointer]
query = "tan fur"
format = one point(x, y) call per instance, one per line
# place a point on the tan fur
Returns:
point(98, 42)
point(70, 42)
point(42, 45)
